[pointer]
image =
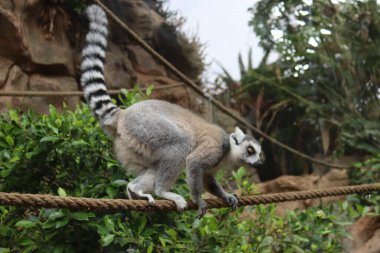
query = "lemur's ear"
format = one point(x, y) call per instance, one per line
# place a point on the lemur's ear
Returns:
point(237, 136)
point(239, 132)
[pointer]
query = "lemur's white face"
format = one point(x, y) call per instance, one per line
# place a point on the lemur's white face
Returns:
point(245, 148)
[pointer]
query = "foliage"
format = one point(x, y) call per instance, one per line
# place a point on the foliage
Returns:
point(367, 171)
point(324, 87)
point(259, 229)
point(364, 173)
point(67, 154)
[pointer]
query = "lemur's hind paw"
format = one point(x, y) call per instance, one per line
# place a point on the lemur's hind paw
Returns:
point(202, 208)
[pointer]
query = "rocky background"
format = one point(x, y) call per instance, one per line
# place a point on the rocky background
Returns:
point(41, 40)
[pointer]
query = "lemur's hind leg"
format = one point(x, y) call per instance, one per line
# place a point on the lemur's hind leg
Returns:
point(141, 186)
point(168, 171)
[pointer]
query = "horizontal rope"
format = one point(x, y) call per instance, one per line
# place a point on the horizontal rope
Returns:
point(72, 93)
point(198, 90)
point(115, 205)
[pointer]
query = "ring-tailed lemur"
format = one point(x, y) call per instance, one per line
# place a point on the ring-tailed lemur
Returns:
point(156, 139)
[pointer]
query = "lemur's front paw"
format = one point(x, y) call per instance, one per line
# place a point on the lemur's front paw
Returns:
point(151, 200)
point(202, 208)
point(232, 200)
point(181, 204)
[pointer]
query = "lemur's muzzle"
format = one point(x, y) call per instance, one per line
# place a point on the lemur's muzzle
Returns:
point(257, 165)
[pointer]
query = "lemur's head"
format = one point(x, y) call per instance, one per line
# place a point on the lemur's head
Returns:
point(245, 149)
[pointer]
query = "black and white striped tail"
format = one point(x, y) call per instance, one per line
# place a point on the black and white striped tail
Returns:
point(92, 66)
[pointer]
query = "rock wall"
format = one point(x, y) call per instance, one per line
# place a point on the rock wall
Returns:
point(286, 183)
point(366, 235)
point(40, 46)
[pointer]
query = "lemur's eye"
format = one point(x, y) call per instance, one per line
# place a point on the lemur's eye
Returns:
point(251, 150)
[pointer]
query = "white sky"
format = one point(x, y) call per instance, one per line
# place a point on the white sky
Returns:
point(223, 26)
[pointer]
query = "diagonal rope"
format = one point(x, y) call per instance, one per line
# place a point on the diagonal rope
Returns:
point(198, 90)
point(72, 93)
point(115, 205)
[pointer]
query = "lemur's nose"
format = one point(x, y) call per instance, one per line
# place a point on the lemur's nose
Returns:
point(257, 164)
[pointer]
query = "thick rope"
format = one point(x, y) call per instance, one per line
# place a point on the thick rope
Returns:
point(115, 205)
point(72, 93)
point(198, 90)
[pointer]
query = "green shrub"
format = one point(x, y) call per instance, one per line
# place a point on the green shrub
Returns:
point(67, 154)
point(364, 173)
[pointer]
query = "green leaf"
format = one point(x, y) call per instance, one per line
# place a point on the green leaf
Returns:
point(26, 242)
point(111, 191)
point(26, 224)
point(49, 139)
point(172, 233)
point(14, 159)
point(31, 248)
point(163, 242)
point(297, 249)
point(48, 225)
point(148, 232)
point(266, 242)
point(119, 182)
point(14, 116)
point(149, 90)
point(109, 223)
point(106, 240)
point(197, 223)
point(344, 223)
point(29, 155)
point(56, 215)
point(81, 216)
point(5, 173)
point(61, 192)
point(79, 143)
point(142, 224)
point(9, 140)
point(62, 223)
point(4, 250)
point(100, 229)
point(301, 239)
point(150, 248)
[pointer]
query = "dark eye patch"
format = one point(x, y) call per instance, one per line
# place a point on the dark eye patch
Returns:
point(251, 150)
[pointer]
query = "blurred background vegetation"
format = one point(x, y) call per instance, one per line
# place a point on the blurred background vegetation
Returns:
point(321, 97)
